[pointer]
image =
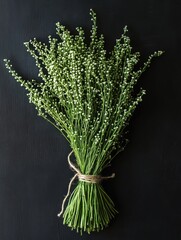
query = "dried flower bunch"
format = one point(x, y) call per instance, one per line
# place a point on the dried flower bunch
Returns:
point(88, 95)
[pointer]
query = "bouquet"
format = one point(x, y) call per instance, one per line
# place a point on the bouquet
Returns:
point(88, 95)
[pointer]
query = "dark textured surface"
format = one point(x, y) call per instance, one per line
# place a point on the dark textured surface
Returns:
point(33, 168)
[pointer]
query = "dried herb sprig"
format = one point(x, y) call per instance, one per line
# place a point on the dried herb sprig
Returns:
point(87, 94)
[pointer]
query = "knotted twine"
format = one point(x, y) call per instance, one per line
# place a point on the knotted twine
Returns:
point(83, 178)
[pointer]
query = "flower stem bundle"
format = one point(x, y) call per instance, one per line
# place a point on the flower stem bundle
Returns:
point(88, 95)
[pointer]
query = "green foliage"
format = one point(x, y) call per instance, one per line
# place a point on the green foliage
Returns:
point(88, 95)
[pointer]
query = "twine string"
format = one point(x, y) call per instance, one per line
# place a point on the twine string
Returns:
point(83, 178)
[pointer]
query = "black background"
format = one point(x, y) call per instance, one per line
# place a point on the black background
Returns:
point(34, 173)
